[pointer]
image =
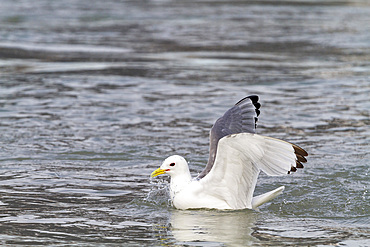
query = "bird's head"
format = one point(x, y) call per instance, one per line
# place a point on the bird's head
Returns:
point(173, 165)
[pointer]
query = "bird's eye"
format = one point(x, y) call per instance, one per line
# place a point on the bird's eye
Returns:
point(172, 164)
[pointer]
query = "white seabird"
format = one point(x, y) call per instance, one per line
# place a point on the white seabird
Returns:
point(237, 155)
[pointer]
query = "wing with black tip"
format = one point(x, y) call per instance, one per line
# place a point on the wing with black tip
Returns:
point(241, 118)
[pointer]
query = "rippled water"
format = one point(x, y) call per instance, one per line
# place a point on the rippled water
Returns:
point(93, 96)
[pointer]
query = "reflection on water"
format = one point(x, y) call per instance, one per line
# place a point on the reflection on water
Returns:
point(94, 96)
point(203, 227)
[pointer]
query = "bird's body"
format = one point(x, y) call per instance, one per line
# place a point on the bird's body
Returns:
point(237, 155)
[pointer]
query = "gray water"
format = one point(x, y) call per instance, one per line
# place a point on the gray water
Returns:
point(95, 94)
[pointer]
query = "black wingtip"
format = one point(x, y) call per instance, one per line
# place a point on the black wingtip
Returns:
point(300, 158)
point(293, 169)
point(255, 102)
point(257, 105)
point(254, 99)
point(300, 151)
point(299, 164)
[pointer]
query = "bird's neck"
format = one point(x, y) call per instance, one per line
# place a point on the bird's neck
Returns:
point(179, 181)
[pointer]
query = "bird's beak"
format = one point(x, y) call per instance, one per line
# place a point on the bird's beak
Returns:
point(157, 172)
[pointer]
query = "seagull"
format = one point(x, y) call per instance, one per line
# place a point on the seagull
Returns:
point(236, 157)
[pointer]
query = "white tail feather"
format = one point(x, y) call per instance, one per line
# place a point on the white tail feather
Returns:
point(261, 199)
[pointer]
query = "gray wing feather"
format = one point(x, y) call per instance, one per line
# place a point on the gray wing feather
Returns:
point(242, 117)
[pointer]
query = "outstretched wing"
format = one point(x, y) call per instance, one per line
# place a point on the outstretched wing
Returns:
point(242, 117)
point(240, 159)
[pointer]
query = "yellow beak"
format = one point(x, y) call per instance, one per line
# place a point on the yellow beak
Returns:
point(157, 172)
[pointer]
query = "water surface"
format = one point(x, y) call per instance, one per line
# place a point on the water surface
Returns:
point(94, 96)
